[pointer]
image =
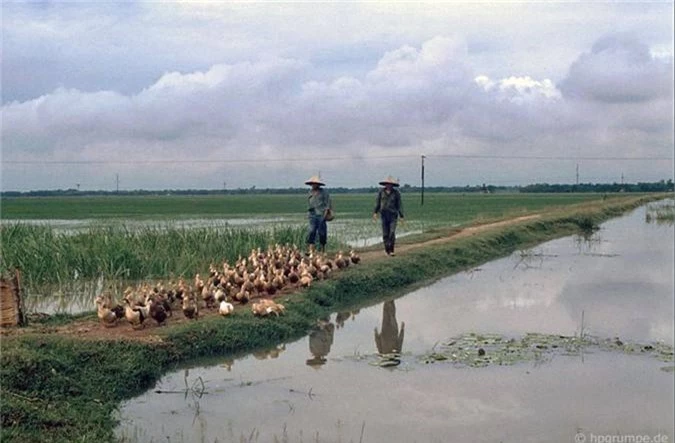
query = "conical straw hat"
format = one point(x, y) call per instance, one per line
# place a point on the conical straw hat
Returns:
point(316, 362)
point(315, 179)
point(389, 180)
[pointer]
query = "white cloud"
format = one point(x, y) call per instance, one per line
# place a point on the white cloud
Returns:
point(618, 69)
point(424, 81)
point(519, 89)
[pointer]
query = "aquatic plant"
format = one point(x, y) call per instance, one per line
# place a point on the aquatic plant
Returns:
point(660, 213)
point(480, 350)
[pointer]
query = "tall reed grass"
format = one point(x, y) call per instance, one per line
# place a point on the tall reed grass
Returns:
point(47, 256)
point(661, 213)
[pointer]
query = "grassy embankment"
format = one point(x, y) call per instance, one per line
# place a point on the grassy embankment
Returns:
point(65, 389)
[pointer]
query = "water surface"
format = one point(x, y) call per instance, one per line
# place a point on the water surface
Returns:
point(615, 283)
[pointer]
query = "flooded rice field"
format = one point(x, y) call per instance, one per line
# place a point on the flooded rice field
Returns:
point(367, 375)
point(77, 295)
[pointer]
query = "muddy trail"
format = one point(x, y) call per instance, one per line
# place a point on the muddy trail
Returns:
point(91, 328)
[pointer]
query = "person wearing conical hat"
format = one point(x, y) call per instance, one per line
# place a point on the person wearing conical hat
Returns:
point(390, 208)
point(390, 338)
point(319, 206)
point(320, 341)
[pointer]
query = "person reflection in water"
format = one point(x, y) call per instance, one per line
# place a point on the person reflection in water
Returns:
point(320, 341)
point(390, 340)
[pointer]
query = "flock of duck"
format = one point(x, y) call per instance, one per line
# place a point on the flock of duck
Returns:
point(256, 278)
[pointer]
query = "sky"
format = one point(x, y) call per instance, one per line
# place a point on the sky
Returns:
point(210, 95)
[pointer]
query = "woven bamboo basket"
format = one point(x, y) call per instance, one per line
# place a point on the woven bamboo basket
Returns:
point(11, 306)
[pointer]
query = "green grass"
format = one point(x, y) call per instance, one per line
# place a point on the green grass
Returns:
point(64, 389)
point(159, 248)
point(457, 207)
point(46, 256)
point(660, 213)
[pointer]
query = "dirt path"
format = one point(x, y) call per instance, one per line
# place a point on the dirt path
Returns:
point(465, 232)
point(92, 329)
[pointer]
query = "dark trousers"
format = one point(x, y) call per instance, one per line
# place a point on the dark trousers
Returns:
point(317, 227)
point(389, 230)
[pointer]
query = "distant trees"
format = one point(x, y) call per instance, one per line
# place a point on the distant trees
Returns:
point(660, 186)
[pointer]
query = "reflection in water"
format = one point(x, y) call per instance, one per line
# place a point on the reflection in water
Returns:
point(587, 242)
point(390, 339)
point(320, 341)
point(270, 353)
point(622, 283)
point(341, 317)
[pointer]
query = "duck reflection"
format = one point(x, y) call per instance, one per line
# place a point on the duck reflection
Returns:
point(320, 341)
point(390, 339)
point(341, 317)
point(270, 353)
point(227, 364)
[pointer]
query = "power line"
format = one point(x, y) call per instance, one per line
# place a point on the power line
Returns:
point(545, 157)
point(328, 159)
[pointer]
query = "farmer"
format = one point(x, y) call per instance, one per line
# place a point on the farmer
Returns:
point(390, 208)
point(319, 207)
point(390, 339)
point(320, 341)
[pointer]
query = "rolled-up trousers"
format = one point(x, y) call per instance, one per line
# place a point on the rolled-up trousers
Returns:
point(317, 228)
point(389, 230)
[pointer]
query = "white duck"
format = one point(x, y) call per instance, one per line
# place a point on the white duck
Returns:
point(225, 308)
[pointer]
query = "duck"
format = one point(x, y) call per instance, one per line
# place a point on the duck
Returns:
point(118, 309)
point(242, 296)
point(276, 309)
point(340, 261)
point(199, 283)
point(270, 288)
point(105, 300)
point(156, 310)
point(259, 309)
point(208, 296)
point(293, 276)
point(305, 279)
point(135, 315)
point(279, 281)
point(225, 308)
point(354, 257)
point(220, 295)
point(267, 307)
point(107, 316)
point(190, 307)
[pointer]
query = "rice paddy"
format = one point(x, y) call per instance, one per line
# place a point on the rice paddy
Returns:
point(64, 243)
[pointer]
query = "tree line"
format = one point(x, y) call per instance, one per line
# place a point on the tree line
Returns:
point(660, 186)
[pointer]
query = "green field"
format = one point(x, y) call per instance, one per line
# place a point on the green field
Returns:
point(141, 237)
point(457, 207)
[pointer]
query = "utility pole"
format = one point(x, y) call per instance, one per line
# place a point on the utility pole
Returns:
point(117, 183)
point(422, 201)
point(577, 173)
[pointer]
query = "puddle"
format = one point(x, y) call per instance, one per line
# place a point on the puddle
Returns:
point(365, 376)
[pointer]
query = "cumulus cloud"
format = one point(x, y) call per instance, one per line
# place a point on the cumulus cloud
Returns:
point(519, 90)
point(415, 97)
point(619, 69)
